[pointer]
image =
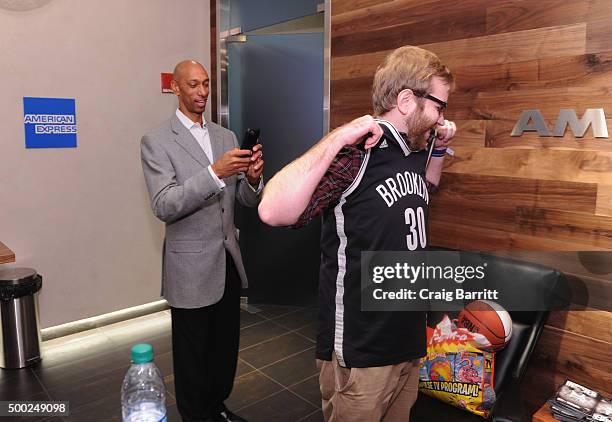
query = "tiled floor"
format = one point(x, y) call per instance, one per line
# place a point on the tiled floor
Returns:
point(276, 378)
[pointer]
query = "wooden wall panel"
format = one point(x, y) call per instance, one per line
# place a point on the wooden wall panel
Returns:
point(484, 215)
point(508, 105)
point(498, 49)
point(473, 132)
point(570, 166)
point(350, 98)
point(343, 6)
point(599, 30)
point(587, 70)
point(560, 355)
point(565, 225)
point(512, 192)
point(432, 28)
point(476, 238)
point(6, 255)
point(578, 357)
point(556, 41)
point(548, 199)
point(604, 200)
point(519, 15)
point(351, 18)
point(590, 323)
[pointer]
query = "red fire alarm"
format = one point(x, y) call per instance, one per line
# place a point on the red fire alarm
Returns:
point(166, 79)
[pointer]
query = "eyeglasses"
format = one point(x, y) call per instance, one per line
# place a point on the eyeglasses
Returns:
point(422, 94)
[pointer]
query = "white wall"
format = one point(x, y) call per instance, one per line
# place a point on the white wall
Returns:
point(81, 217)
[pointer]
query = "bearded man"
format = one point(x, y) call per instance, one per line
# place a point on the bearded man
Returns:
point(371, 180)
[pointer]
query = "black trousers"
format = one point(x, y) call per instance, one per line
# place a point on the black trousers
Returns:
point(205, 351)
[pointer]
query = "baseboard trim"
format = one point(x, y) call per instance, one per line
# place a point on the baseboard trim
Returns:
point(98, 321)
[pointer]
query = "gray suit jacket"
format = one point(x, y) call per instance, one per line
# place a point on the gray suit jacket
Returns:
point(199, 216)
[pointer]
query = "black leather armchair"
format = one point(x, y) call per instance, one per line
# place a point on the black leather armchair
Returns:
point(511, 362)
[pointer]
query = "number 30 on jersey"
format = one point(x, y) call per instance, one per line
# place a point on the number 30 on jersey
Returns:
point(417, 233)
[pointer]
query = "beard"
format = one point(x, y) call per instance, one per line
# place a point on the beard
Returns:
point(417, 129)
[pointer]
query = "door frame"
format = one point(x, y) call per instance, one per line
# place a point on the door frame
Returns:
point(220, 32)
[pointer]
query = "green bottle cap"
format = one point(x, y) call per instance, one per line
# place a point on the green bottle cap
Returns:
point(142, 353)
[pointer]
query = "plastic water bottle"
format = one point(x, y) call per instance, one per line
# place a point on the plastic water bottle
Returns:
point(143, 394)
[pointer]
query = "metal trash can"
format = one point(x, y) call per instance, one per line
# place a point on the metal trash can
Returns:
point(19, 333)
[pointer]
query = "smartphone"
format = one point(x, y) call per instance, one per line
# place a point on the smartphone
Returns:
point(433, 134)
point(251, 138)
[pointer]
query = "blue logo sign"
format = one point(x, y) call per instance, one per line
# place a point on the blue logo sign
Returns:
point(49, 122)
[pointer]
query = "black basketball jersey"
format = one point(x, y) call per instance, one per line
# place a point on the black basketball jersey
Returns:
point(384, 209)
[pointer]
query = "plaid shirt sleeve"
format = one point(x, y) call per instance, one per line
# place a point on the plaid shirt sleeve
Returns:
point(336, 180)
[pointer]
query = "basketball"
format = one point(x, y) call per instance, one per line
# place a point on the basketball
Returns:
point(489, 319)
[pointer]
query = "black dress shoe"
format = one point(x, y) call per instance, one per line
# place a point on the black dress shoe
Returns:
point(226, 416)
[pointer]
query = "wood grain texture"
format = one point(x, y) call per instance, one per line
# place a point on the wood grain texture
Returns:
point(518, 15)
point(589, 323)
point(508, 105)
point(504, 76)
point(359, 66)
point(350, 98)
point(604, 200)
point(472, 214)
point(539, 384)
point(433, 28)
point(570, 166)
point(476, 238)
point(365, 15)
point(599, 30)
point(343, 6)
point(493, 106)
point(565, 225)
point(583, 359)
point(561, 355)
point(507, 216)
point(472, 133)
point(586, 70)
point(492, 50)
point(543, 414)
point(556, 41)
point(512, 192)
point(6, 255)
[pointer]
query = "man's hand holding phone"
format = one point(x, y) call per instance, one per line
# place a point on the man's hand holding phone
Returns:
point(247, 160)
point(251, 142)
point(256, 167)
point(232, 162)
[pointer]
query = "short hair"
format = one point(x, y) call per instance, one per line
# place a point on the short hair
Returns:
point(406, 67)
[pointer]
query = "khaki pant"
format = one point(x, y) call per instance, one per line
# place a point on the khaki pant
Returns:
point(375, 394)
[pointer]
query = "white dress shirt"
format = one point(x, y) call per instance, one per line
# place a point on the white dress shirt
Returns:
point(200, 133)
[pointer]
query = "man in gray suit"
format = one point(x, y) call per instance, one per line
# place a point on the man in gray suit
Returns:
point(194, 172)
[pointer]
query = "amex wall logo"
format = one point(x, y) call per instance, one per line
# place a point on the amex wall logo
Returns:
point(532, 121)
